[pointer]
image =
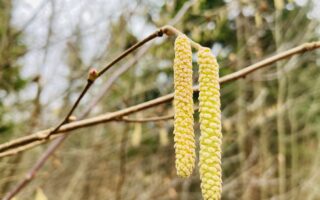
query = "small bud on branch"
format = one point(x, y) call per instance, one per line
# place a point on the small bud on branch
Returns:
point(93, 74)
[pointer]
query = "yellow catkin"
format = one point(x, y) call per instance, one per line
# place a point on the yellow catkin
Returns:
point(183, 104)
point(210, 126)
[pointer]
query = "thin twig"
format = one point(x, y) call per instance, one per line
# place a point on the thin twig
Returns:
point(143, 120)
point(75, 105)
point(158, 33)
point(19, 149)
point(186, 6)
point(286, 54)
point(149, 119)
point(170, 30)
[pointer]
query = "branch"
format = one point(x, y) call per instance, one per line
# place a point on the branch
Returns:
point(40, 136)
point(310, 46)
point(17, 150)
point(149, 119)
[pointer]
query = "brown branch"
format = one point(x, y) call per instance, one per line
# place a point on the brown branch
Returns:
point(160, 100)
point(286, 54)
point(39, 136)
point(75, 105)
point(148, 119)
point(20, 149)
point(143, 120)
point(121, 119)
point(158, 33)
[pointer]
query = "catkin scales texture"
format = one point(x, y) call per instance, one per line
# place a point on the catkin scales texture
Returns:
point(210, 126)
point(183, 105)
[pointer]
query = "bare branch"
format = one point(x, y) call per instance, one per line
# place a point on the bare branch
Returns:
point(286, 54)
point(143, 120)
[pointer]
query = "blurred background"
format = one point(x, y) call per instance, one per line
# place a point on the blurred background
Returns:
point(271, 119)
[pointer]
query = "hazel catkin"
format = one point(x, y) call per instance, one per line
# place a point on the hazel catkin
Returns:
point(210, 126)
point(183, 105)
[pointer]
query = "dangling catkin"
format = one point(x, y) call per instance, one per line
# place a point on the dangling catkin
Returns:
point(210, 126)
point(183, 104)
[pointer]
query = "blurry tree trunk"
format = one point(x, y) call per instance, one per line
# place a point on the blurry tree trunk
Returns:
point(281, 98)
point(5, 37)
point(241, 103)
point(77, 180)
point(293, 123)
point(123, 162)
point(9, 171)
point(258, 106)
